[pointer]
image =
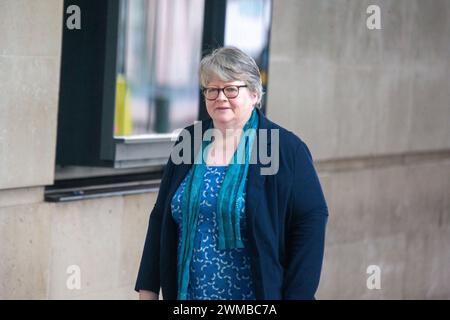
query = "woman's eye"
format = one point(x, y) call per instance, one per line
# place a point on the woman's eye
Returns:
point(231, 90)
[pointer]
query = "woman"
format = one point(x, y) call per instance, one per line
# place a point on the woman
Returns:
point(221, 228)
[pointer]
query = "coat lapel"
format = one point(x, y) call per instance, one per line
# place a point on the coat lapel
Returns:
point(255, 182)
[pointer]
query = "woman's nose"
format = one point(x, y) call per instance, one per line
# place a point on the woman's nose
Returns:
point(221, 96)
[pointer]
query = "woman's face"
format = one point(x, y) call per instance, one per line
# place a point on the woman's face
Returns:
point(230, 112)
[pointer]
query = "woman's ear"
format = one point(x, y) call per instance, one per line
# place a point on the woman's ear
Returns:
point(254, 98)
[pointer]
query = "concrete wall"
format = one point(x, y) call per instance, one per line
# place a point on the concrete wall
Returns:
point(103, 238)
point(351, 91)
point(374, 108)
point(38, 240)
point(30, 50)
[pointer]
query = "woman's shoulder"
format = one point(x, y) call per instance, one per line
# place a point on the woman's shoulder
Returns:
point(293, 152)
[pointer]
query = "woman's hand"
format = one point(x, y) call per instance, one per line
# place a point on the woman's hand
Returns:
point(148, 295)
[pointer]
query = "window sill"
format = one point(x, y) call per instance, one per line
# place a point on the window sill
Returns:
point(102, 187)
point(143, 150)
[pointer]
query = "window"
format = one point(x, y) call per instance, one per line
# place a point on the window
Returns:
point(129, 78)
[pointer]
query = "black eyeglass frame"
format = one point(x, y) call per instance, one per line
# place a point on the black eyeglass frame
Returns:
point(223, 90)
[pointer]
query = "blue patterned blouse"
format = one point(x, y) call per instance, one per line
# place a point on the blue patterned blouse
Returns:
point(214, 274)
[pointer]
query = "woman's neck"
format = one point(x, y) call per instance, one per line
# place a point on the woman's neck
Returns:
point(232, 128)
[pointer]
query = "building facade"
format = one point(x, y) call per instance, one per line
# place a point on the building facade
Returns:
point(372, 105)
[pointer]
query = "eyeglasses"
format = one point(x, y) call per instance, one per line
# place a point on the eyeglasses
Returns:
point(230, 92)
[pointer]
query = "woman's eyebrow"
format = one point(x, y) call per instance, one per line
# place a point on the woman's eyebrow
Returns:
point(225, 85)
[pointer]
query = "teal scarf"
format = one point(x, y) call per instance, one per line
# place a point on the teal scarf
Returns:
point(229, 202)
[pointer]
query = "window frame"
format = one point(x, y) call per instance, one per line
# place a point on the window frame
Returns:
point(87, 97)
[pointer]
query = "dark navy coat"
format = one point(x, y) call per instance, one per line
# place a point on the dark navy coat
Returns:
point(286, 216)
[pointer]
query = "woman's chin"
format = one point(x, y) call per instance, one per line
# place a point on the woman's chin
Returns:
point(223, 117)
